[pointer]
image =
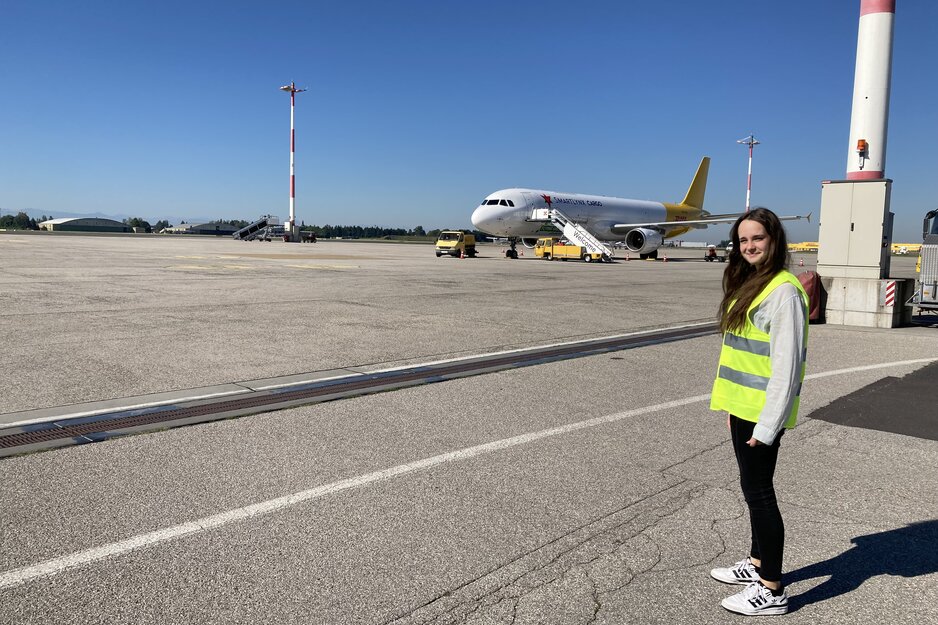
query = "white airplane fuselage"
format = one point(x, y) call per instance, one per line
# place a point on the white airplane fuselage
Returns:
point(510, 212)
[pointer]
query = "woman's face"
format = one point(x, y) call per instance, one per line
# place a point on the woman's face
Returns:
point(753, 241)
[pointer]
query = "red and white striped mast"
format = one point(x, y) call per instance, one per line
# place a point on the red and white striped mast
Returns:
point(292, 223)
point(866, 156)
point(750, 141)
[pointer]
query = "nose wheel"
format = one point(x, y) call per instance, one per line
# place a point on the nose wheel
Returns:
point(511, 252)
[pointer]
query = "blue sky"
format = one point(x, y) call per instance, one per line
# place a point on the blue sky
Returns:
point(418, 109)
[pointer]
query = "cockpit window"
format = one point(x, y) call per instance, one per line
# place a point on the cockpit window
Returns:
point(510, 203)
point(503, 202)
point(491, 202)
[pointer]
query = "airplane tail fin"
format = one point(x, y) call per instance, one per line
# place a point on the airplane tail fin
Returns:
point(695, 193)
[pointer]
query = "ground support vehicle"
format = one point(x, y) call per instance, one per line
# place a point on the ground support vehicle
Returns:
point(926, 287)
point(550, 248)
point(711, 255)
point(456, 243)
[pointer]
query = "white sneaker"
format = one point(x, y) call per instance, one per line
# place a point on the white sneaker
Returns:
point(743, 572)
point(755, 600)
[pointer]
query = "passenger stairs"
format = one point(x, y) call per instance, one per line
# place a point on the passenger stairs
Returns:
point(578, 234)
point(251, 231)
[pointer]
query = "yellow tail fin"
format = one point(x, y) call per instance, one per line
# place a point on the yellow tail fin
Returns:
point(695, 193)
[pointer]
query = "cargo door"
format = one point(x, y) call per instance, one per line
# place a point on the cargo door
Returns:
point(536, 206)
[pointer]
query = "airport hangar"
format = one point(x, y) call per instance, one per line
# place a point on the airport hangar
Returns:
point(84, 224)
point(100, 224)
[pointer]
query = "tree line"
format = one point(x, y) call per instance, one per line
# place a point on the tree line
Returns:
point(22, 221)
point(376, 232)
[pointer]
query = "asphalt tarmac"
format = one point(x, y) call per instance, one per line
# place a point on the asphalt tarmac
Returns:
point(592, 490)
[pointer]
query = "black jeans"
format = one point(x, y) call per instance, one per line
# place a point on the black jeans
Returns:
point(756, 471)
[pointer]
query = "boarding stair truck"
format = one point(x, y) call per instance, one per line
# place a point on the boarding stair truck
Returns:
point(926, 287)
point(551, 248)
point(456, 243)
point(575, 233)
point(262, 228)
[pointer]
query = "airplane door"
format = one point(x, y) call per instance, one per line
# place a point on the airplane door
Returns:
point(533, 202)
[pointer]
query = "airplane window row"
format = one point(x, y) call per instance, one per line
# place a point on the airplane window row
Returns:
point(498, 202)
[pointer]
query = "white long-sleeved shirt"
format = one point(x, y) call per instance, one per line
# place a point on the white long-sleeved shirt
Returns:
point(781, 315)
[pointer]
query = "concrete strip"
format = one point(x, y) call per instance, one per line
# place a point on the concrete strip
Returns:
point(10, 422)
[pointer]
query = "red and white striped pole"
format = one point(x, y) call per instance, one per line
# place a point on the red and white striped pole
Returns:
point(750, 141)
point(866, 154)
point(293, 91)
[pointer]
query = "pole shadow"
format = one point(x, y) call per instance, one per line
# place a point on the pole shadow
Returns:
point(908, 551)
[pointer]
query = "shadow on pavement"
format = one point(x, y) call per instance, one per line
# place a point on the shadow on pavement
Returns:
point(908, 551)
point(903, 405)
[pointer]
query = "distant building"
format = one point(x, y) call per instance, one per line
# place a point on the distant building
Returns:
point(216, 229)
point(84, 224)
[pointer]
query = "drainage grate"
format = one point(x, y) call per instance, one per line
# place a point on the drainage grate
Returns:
point(107, 425)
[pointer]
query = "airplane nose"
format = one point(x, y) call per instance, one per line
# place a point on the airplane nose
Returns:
point(481, 218)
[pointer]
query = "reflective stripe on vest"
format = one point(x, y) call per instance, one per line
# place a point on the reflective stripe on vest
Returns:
point(746, 365)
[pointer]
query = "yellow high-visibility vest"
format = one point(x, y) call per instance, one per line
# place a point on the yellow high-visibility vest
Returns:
point(746, 366)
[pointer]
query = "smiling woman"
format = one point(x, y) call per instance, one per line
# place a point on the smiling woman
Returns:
point(763, 316)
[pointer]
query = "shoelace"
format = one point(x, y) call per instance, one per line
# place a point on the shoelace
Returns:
point(755, 588)
point(740, 566)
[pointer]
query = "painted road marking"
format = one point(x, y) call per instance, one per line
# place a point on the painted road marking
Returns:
point(16, 577)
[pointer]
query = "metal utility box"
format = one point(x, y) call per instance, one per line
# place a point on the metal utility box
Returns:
point(856, 229)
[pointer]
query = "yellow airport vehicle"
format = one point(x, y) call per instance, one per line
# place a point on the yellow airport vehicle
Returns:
point(456, 243)
point(902, 249)
point(807, 246)
point(550, 248)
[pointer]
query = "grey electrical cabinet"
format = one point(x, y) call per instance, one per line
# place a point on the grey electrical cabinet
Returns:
point(855, 234)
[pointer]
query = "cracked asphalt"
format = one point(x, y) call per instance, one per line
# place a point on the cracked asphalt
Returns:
point(619, 522)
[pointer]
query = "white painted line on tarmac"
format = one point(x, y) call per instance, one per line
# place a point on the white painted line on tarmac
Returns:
point(16, 577)
point(898, 363)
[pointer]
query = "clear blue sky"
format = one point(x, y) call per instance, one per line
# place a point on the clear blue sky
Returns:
point(418, 109)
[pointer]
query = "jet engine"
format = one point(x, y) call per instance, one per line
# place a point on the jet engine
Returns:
point(643, 240)
point(529, 242)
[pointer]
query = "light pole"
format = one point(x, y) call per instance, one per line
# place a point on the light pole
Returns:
point(292, 223)
point(750, 141)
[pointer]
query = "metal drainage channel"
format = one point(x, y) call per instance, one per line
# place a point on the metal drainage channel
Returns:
point(99, 427)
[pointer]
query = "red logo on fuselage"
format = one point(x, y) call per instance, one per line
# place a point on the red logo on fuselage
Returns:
point(546, 199)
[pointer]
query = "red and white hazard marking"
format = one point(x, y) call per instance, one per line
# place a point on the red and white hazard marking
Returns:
point(890, 293)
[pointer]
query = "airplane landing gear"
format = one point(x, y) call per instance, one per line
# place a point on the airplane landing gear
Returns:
point(511, 252)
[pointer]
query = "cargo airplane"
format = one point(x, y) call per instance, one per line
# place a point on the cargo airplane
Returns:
point(641, 224)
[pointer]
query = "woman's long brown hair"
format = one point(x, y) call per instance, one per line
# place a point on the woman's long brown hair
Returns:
point(742, 282)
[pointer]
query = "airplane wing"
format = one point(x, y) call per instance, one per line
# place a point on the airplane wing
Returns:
point(694, 223)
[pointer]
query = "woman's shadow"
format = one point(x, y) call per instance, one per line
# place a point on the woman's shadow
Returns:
point(908, 551)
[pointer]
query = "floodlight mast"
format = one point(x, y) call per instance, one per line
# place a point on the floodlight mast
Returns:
point(750, 141)
point(291, 88)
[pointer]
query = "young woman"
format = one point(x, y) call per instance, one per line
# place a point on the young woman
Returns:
point(763, 317)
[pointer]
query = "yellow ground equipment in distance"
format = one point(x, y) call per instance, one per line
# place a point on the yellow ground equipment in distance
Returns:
point(456, 243)
point(550, 248)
